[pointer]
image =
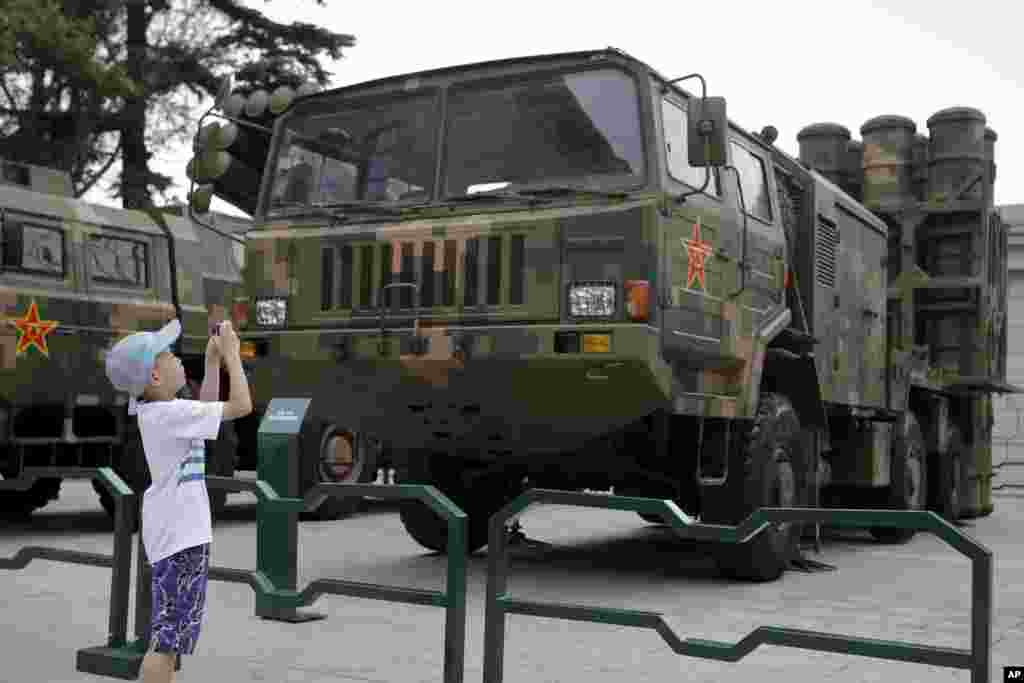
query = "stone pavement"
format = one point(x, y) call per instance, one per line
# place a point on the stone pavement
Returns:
point(919, 592)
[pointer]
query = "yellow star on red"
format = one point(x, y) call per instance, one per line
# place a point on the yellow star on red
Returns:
point(33, 331)
point(696, 252)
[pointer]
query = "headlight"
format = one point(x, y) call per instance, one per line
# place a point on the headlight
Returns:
point(592, 300)
point(271, 312)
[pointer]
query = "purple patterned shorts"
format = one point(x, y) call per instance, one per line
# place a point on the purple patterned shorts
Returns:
point(179, 600)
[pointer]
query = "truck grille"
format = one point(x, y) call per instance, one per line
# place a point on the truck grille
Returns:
point(450, 273)
point(826, 244)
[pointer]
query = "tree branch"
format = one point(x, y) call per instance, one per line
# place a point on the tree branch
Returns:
point(103, 171)
point(10, 97)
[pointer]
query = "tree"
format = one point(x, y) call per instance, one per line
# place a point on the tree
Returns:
point(53, 80)
point(169, 49)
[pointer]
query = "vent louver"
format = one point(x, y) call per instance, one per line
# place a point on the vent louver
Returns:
point(826, 246)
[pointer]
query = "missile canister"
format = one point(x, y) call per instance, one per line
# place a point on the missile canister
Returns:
point(957, 153)
point(990, 157)
point(823, 147)
point(888, 145)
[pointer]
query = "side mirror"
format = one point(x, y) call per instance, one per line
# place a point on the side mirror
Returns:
point(707, 131)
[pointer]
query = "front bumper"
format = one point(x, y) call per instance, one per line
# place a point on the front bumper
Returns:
point(502, 393)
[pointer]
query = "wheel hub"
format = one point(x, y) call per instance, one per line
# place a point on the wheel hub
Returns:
point(338, 457)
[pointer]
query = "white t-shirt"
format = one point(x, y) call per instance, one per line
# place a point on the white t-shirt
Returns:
point(176, 507)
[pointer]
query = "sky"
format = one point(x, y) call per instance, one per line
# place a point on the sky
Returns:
point(787, 63)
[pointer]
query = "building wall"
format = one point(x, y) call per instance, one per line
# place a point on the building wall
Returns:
point(1008, 431)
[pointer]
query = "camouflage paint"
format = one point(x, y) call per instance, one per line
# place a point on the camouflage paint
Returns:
point(489, 377)
point(91, 316)
point(470, 348)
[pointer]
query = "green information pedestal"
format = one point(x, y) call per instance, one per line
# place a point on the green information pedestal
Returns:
point(277, 532)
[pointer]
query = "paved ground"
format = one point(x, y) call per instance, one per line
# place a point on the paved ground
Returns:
point(918, 593)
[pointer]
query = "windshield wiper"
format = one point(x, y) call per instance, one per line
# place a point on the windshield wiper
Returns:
point(339, 212)
point(299, 209)
point(360, 206)
point(570, 189)
point(492, 195)
point(520, 193)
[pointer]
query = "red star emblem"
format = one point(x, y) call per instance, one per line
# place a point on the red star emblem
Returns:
point(696, 252)
point(33, 331)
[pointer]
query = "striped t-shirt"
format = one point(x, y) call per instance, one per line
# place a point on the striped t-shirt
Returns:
point(176, 508)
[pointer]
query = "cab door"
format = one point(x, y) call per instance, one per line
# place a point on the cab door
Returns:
point(698, 245)
point(762, 237)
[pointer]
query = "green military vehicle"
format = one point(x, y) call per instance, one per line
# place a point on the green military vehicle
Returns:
point(566, 271)
point(75, 277)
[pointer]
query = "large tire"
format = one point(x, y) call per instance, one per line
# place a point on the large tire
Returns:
point(772, 471)
point(909, 487)
point(332, 455)
point(429, 529)
point(19, 505)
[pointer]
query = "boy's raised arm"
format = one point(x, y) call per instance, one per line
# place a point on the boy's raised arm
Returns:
point(239, 402)
point(210, 390)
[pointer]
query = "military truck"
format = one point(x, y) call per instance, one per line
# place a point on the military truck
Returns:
point(74, 278)
point(566, 271)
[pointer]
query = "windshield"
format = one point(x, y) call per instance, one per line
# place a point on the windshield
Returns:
point(581, 129)
point(578, 130)
point(338, 151)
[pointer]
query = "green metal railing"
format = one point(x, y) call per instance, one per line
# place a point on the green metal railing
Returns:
point(119, 562)
point(123, 659)
point(273, 582)
point(453, 599)
point(498, 604)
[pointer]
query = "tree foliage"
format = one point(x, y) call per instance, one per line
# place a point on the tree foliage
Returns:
point(88, 83)
point(40, 33)
point(53, 83)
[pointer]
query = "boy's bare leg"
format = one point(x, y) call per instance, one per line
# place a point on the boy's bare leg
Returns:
point(158, 667)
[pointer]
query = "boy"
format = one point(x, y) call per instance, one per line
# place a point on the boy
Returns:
point(176, 524)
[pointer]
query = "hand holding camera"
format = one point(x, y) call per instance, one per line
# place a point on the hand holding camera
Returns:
point(227, 341)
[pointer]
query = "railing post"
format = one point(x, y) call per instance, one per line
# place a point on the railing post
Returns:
point(455, 610)
point(497, 586)
point(120, 573)
point(981, 619)
point(120, 658)
point(277, 532)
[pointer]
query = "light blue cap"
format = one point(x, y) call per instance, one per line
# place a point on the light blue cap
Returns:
point(130, 362)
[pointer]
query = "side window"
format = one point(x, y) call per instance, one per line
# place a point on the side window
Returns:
point(118, 261)
point(754, 181)
point(679, 168)
point(33, 248)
